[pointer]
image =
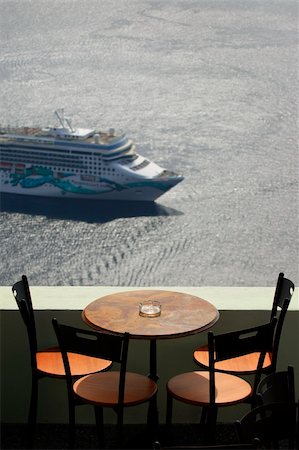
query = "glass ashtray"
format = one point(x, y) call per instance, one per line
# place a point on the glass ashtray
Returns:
point(150, 308)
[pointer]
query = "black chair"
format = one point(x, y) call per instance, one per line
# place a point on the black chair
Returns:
point(113, 389)
point(47, 362)
point(247, 364)
point(278, 387)
point(273, 424)
point(212, 389)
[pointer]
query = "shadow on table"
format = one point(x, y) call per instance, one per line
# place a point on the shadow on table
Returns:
point(98, 211)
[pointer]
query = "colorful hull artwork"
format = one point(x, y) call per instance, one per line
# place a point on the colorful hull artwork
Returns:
point(80, 163)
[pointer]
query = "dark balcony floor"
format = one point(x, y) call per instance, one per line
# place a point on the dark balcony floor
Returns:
point(135, 436)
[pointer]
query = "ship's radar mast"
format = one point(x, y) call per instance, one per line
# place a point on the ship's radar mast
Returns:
point(64, 121)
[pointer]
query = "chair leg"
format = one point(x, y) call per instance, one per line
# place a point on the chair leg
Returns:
point(152, 412)
point(169, 412)
point(72, 423)
point(203, 417)
point(32, 411)
point(153, 418)
point(209, 437)
point(120, 421)
point(98, 411)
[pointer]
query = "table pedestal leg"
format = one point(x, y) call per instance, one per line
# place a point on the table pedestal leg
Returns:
point(153, 361)
point(153, 414)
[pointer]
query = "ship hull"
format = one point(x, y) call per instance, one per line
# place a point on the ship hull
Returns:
point(145, 191)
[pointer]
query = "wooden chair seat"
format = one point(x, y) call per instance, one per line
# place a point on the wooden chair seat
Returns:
point(49, 361)
point(194, 388)
point(101, 389)
point(245, 364)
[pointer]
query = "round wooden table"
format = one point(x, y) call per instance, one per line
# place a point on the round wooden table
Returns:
point(181, 315)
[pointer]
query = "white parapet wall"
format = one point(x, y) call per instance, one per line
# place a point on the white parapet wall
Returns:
point(77, 297)
point(239, 307)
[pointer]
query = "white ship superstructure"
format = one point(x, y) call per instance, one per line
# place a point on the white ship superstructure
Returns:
point(77, 162)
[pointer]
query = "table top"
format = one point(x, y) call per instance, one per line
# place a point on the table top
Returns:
point(181, 314)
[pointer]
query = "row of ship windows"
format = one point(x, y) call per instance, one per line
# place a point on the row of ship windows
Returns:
point(19, 153)
point(141, 165)
point(40, 156)
point(56, 161)
point(66, 152)
point(107, 171)
point(78, 170)
point(95, 172)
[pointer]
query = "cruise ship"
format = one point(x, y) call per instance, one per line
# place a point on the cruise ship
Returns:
point(70, 162)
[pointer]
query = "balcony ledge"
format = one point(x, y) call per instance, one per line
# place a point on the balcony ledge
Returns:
point(77, 297)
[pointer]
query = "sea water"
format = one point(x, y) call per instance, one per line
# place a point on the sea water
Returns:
point(206, 88)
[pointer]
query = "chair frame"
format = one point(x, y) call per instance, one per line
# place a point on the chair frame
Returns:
point(240, 342)
point(22, 295)
point(26, 309)
point(277, 387)
point(93, 343)
point(267, 428)
point(224, 346)
point(282, 297)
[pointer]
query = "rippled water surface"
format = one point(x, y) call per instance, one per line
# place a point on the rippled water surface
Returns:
point(205, 88)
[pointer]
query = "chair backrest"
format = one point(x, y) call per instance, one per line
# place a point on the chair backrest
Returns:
point(278, 387)
point(238, 343)
point(96, 344)
point(22, 296)
point(271, 423)
point(282, 297)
